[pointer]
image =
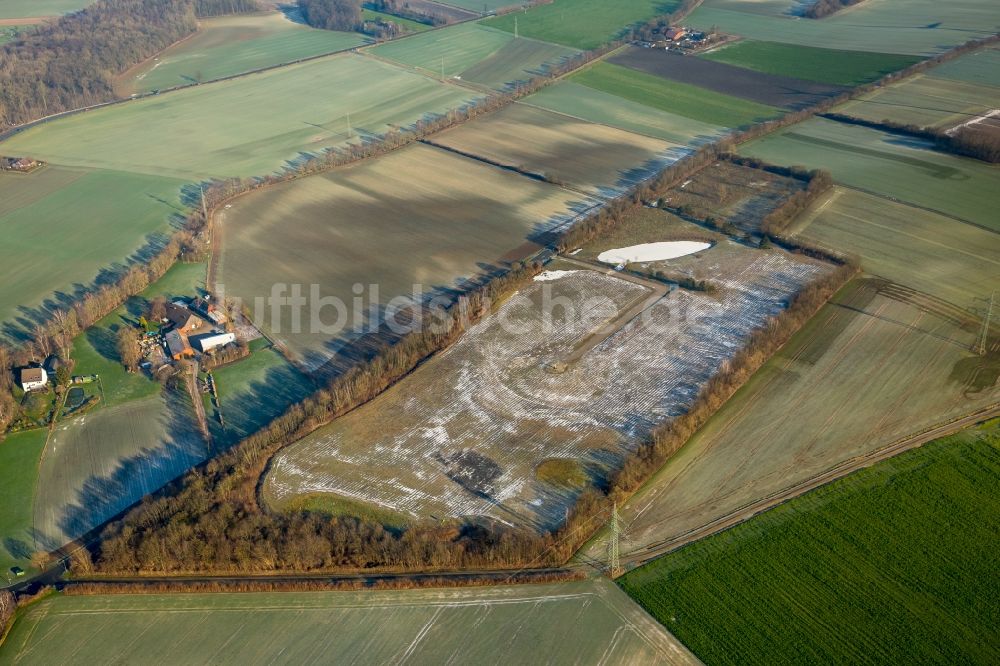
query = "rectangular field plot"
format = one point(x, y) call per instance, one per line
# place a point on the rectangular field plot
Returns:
point(890, 165)
point(931, 253)
point(917, 27)
point(98, 464)
point(895, 557)
point(475, 53)
point(495, 625)
point(831, 66)
point(33, 8)
point(593, 158)
point(248, 126)
point(19, 456)
point(877, 364)
point(430, 218)
point(927, 101)
point(765, 88)
point(536, 402)
point(674, 97)
point(979, 68)
point(233, 44)
point(62, 227)
point(583, 24)
point(596, 106)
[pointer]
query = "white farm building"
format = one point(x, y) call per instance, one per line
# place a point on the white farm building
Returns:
point(210, 342)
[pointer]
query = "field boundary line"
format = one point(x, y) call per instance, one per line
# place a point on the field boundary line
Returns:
point(840, 470)
point(918, 206)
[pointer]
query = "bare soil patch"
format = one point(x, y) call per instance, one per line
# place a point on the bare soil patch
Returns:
point(781, 91)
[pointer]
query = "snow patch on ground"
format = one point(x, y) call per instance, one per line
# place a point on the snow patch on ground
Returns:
point(548, 276)
point(652, 252)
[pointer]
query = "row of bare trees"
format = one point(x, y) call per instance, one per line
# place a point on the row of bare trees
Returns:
point(966, 141)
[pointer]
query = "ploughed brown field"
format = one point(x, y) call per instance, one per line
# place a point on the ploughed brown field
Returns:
point(781, 91)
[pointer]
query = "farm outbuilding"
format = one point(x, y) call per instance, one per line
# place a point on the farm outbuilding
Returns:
point(209, 342)
point(182, 318)
point(177, 346)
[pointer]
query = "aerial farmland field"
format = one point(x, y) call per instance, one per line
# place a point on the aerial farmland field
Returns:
point(765, 88)
point(98, 464)
point(597, 106)
point(583, 24)
point(809, 408)
point(473, 427)
point(19, 456)
point(233, 44)
point(932, 253)
point(430, 218)
point(926, 101)
point(674, 97)
point(14, 9)
point(476, 53)
point(511, 624)
point(593, 158)
point(909, 27)
point(981, 67)
point(248, 126)
point(93, 220)
point(889, 564)
point(887, 164)
point(835, 67)
point(406, 24)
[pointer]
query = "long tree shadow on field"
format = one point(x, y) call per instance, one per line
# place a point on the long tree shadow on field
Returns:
point(100, 498)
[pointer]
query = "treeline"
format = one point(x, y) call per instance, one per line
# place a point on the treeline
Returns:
point(658, 25)
point(402, 9)
point(817, 181)
point(964, 141)
point(73, 61)
point(342, 15)
point(822, 8)
point(208, 8)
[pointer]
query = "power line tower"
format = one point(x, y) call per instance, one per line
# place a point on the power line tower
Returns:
point(614, 559)
point(984, 336)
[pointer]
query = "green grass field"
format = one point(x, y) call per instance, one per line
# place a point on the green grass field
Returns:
point(32, 8)
point(411, 26)
point(979, 68)
point(926, 100)
point(597, 106)
point(248, 126)
point(253, 391)
point(63, 226)
point(19, 456)
point(517, 60)
point(914, 27)
point(677, 98)
point(848, 68)
point(506, 624)
point(98, 464)
point(234, 44)
point(937, 255)
point(892, 564)
point(889, 165)
point(583, 24)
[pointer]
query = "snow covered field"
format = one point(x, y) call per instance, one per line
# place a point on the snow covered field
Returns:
point(464, 434)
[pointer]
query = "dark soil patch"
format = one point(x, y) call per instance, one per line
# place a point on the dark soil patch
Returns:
point(781, 91)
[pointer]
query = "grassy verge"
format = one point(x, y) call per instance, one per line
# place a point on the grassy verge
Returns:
point(888, 565)
point(19, 455)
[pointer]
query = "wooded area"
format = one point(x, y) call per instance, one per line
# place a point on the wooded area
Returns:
point(822, 8)
point(223, 7)
point(342, 15)
point(73, 61)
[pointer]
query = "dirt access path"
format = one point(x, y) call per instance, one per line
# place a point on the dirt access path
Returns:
point(583, 347)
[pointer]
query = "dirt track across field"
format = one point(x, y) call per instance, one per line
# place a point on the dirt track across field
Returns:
point(31, 20)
